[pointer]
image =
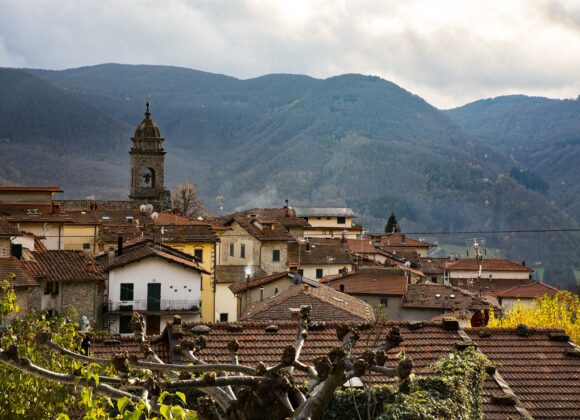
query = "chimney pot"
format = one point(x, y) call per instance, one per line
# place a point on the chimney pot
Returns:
point(403, 239)
point(86, 250)
point(120, 245)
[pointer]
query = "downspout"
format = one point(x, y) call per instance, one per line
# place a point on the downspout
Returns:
point(214, 282)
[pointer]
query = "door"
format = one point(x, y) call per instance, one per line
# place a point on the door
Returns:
point(153, 296)
point(153, 325)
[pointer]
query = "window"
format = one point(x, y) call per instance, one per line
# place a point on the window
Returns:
point(198, 253)
point(242, 251)
point(301, 272)
point(384, 301)
point(319, 273)
point(341, 287)
point(51, 287)
point(276, 255)
point(231, 250)
point(126, 291)
point(341, 220)
point(224, 317)
point(125, 325)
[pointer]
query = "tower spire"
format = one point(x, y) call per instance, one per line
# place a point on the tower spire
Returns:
point(147, 112)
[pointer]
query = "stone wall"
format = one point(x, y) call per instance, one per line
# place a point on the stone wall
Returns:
point(4, 247)
point(85, 297)
point(267, 252)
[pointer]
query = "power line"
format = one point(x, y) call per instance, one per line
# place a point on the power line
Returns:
point(474, 232)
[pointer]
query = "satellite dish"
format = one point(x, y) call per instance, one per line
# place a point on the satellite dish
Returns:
point(154, 216)
point(142, 208)
point(200, 218)
point(297, 279)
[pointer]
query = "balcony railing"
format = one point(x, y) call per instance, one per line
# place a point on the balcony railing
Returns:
point(153, 305)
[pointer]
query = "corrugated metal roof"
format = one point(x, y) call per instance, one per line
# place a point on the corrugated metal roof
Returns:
point(323, 212)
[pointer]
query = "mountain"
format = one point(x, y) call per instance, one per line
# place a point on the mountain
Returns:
point(348, 140)
point(541, 135)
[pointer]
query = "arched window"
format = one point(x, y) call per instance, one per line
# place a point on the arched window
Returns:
point(147, 178)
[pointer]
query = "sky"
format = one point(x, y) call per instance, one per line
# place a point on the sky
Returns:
point(448, 52)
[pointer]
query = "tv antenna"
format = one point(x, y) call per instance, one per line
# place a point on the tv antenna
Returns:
point(478, 245)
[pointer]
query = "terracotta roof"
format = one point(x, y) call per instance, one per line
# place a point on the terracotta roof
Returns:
point(537, 368)
point(329, 305)
point(236, 273)
point(361, 246)
point(323, 212)
point(101, 204)
point(187, 233)
point(109, 346)
point(22, 275)
point(487, 264)
point(402, 240)
point(6, 229)
point(39, 245)
point(322, 252)
point(382, 282)
point(27, 188)
point(66, 265)
point(272, 232)
point(146, 249)
point(438, 296)
point(431, 265)
point(532, 290)
point(258, 281)
point(488, 286)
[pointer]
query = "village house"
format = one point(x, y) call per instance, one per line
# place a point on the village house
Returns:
point(70, 281)
point(401, 244)
point(524, 294)
point(21, 280)
point(328, 222)
point(227, 307)
point(488, 275)
point(152, 279)
point(329, 304)
point(316, 258)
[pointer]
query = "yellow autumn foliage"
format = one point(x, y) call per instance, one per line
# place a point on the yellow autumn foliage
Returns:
point(561, 311)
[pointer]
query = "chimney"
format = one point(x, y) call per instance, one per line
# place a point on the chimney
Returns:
point(86, 251)
point(90, 265)
point(286, 203)
point(307, 246)
point(305, 287)
point(524, 263)
point(120, 245)
point(111, 255)
point(261, 294)
point(55, 207)
point(403, 239)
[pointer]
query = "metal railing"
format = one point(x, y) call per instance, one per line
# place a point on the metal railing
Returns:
point(153, 305)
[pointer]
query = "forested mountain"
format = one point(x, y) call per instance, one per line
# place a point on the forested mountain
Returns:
point(541, 135)
point(348, 140)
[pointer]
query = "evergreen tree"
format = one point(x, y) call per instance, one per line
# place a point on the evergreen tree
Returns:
point(392, 224)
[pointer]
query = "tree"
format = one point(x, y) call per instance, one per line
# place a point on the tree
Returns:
point(561, 311)
point(185, 200)
point(392, 224)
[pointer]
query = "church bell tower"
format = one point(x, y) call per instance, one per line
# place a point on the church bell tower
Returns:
point(147, 165)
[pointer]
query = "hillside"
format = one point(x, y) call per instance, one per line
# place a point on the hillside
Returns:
point(542, 135)
point(355, 140)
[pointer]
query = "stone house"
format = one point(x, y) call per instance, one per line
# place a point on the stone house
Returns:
point(524, 294)
point(70, 280)
point(20, 277)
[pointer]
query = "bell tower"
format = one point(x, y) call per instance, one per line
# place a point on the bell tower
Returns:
point(148, 165)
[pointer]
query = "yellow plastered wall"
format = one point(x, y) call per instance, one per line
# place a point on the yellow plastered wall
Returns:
point(77, 235)
point(207, 280)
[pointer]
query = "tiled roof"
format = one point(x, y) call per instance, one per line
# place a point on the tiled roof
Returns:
point(6, 229)
point(532, 290)
point(329, 305)
point(27, 188)
point(101, 204)
point(382, 282)
point(486, 285)
point(439, 296)
point(22, 275)
point(323, 212)
point(258, 281)
point(147, 249)
point(322, 252)
point(537, 368)
point(236, 273)
point(487, 264)
point(186, 233)
point(361, 246)
point(402, 240)
point(271, 232)
point(66, 265)
point(431, 265)
point(109, 346)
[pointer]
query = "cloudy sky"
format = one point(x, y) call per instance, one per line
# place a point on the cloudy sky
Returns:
point(449, 52)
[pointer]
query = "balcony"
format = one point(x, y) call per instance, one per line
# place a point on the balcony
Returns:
point(153, 306)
